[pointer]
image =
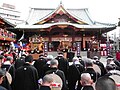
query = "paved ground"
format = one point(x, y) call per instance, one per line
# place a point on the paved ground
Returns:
point(84, 55)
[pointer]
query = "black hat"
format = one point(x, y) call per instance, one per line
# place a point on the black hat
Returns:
point(110, 57)
point(95, 57)
point(29, 58)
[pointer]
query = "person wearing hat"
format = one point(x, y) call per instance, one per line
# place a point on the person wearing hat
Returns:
point(110, 59)
point(46, 67)
point(81, 61)
point(77, 68)
point(26, 76)
point(63, 63)
point(100, 64)
point(113, 62)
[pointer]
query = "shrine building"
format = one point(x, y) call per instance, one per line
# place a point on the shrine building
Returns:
point(6, 37)
point(62, 25)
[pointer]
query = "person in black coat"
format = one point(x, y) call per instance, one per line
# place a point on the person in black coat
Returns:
point(63, 63)
point(39, 65)
point(89, 69)
point(26, 76)
point(54, 69)
point(74, 73)
point(46, 67)
point(100, 64)
point(19, 62)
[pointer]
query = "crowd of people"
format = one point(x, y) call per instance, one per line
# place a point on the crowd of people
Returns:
point(22, 72)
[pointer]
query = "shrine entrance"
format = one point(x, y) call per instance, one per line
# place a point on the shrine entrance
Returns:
point(60, 43)
point(55, 45)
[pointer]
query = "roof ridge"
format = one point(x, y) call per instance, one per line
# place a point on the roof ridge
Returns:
point(108, 24)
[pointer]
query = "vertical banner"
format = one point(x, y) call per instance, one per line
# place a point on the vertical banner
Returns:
point(45, 48)
point(108, 47)
point(78, 44)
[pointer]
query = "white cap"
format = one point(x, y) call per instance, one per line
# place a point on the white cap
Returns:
point(50, 57)
point(75, 59)
point(95, 57)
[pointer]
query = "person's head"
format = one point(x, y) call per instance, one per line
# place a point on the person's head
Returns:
point(29, 59)
point(76, 60)
point(88, 63)
point(109, 59)
point(80, 58)
point(54, 63)
point(86, 79)
point(105, 83)
point(96, 58)
point(47, 80)
point(49, 58)
point(2, 74)
point(9, 58)
point(22, 57)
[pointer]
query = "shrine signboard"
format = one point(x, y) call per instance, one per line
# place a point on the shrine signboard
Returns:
point(61, 39)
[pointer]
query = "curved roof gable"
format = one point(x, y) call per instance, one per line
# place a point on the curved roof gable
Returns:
point(40, 16)
point(60, 11)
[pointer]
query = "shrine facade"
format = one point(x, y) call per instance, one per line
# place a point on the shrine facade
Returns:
point(60, 25)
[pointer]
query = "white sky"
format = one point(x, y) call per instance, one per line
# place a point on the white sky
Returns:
point(106, 11)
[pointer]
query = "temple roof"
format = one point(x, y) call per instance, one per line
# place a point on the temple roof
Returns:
point(4, 21)
point(38, 18)
point(63, 23)
point(39, 14)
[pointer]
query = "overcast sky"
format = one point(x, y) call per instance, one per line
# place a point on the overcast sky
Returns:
point(106, 11)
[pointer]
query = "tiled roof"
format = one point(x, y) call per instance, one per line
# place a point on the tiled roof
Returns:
point(38, 14)
point(48, 25)
point(6, 21)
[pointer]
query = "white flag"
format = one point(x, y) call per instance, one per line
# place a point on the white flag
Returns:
point(22, 37)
